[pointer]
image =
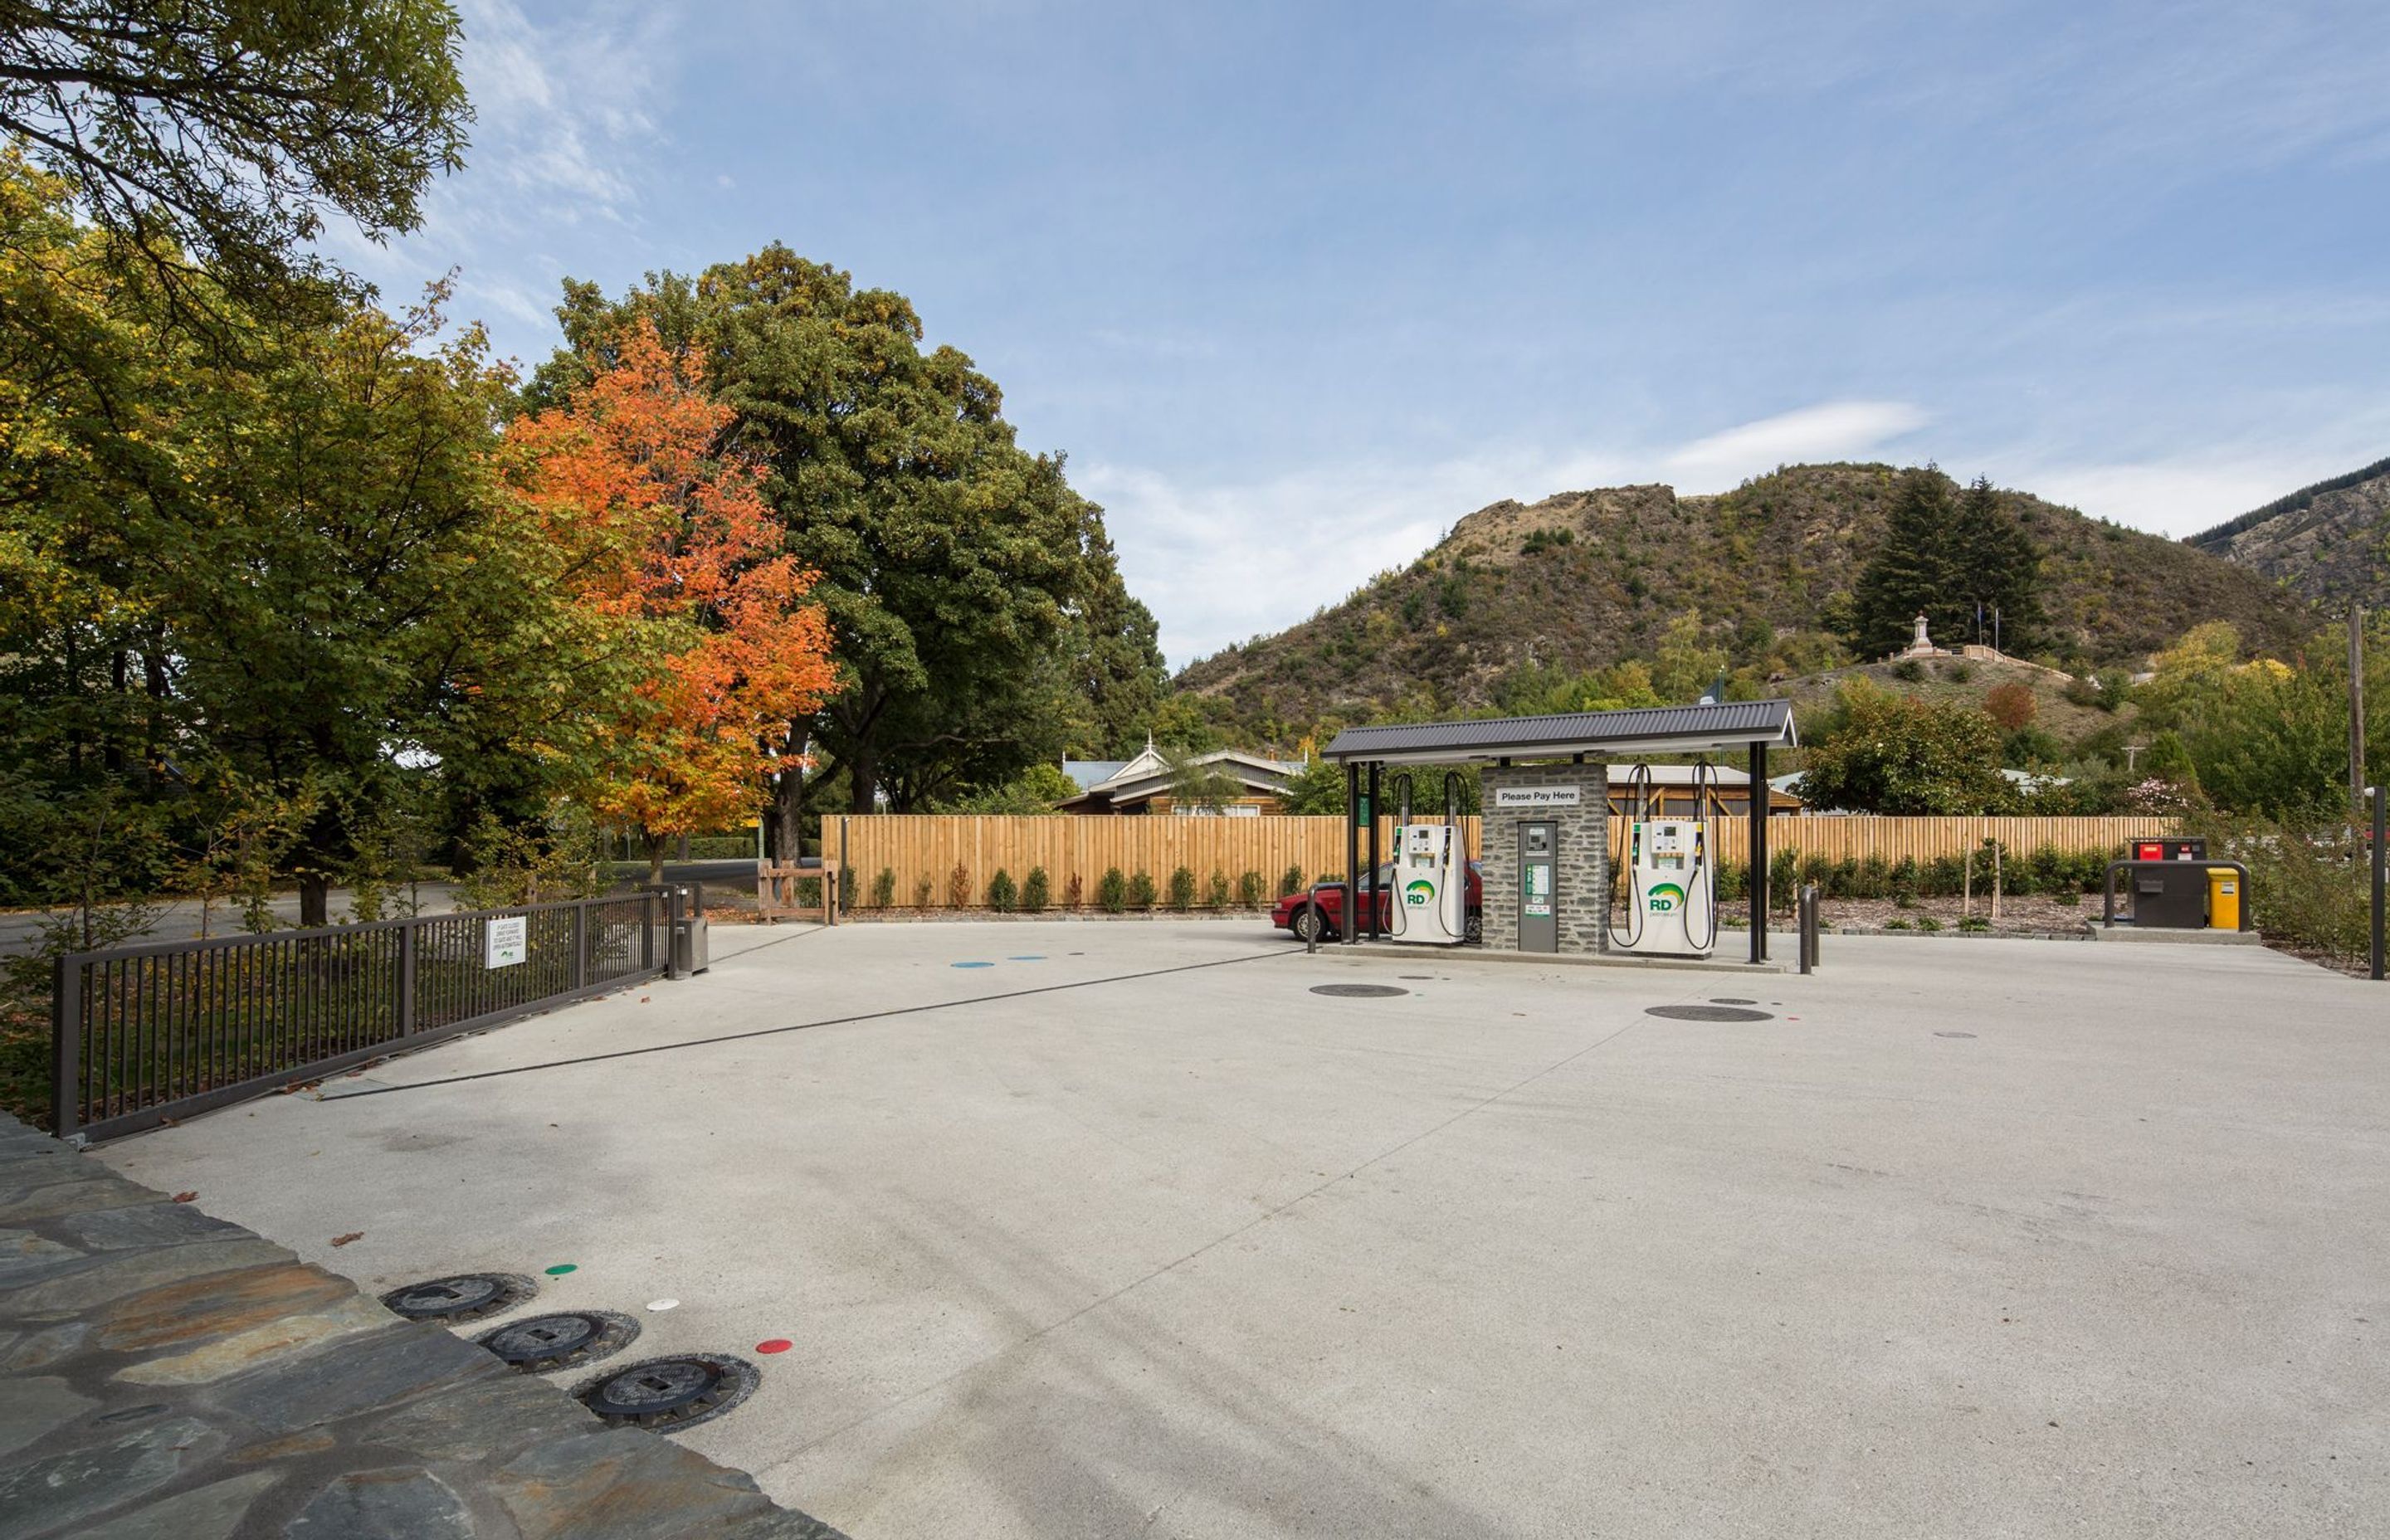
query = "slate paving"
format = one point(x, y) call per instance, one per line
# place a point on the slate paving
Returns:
point(167, 1376)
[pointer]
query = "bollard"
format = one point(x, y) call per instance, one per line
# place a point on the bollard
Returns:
point(1807, 945)
point(2379, 820)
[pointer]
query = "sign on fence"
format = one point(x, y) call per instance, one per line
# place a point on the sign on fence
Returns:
point(505, 941)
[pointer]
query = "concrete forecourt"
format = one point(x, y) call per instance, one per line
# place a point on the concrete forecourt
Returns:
point(1135, 1234)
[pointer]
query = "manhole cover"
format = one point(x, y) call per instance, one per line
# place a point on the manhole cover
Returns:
point(1728, 1000)
point(670, 1393)
point(544, 1343)
point(1954, 1034)
point(1358, 992)
point(466, 1297)
point(1707, 1013)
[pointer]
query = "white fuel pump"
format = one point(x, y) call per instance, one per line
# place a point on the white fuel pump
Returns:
point(1430, 898)
point(1670, 877)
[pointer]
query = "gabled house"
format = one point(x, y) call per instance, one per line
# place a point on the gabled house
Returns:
point(1145, 784)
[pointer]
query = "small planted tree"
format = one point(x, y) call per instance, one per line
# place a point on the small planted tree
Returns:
point(1249, 889)
point(1036, 892)
point(1074, 894)
point(1215, 892)
point(1002, 896)
point(883, 889)
point(922, 889)
point(1111, 891)
point(1141, 893)
point(1182, 890)
point(958, 887)
point(1289, 881)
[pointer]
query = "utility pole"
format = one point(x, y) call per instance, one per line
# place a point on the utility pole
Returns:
point(2357, 703)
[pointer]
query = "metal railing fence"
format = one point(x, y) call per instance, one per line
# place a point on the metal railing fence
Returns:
point(142, 1036)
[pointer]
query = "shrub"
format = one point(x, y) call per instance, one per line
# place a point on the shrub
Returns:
point(1141, 894)
point(1908, 671)
point(1075, 893)
point(1974, 922)
point(1111, 891)
point(1002, 896)
point(1289, 881)
point(1875, 878)
point(1896, 925)
point(1903, 882)
point(1215, 892)
point(883, 887)
point(1783, 879)
point(1249, 889)
point(921, 892)
point(1036, 894)
point(2071, 897)
point(1182, 889)
point(958, 887)
point(1927, 922)
point(2010, 706)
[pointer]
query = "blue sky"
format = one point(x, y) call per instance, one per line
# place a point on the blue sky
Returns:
point(1295, 286)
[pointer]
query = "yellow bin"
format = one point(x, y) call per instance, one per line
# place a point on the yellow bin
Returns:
point(2223, 899)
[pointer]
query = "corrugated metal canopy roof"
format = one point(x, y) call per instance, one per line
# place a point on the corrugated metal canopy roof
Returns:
point(1660, 729)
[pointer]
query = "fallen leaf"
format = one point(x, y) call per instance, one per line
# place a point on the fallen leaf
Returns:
point(344, 1240)
point(184, 1197)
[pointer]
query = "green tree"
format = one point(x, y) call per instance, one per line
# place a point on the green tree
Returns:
point(1208, 785)
point(979, 619)
point(1318, 788)
point(1998, 570)
point(1906, 754)
point(1915, 570)
point(230, 129)
point(1688, 662)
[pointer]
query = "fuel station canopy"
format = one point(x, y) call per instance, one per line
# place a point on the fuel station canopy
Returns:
point(1572, 737)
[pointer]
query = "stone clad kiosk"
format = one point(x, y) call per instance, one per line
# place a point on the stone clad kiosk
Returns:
point(1544, 857)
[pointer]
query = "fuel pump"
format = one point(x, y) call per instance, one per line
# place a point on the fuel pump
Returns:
point(1431, 885)
point(1671, 873)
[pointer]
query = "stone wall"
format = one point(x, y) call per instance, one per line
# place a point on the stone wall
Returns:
point(1582, 899)
point(164, 1373)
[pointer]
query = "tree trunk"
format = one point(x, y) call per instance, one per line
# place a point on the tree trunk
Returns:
point(656, 859)
point(314, 900)
point(864, 769)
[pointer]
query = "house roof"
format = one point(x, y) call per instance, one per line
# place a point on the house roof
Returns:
point(1151, 771)
point(1659, 729)
point(1087, 773)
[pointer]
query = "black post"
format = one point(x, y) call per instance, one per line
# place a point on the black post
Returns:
point(66, 1045)
point(1376, 790)
point(1759, 852)
point(2378, 830)
point(581, 944)
point(1352, 852)
point(406, 944)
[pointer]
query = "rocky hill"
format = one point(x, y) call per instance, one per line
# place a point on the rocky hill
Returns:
point(2330, 541)
point(1582, 580)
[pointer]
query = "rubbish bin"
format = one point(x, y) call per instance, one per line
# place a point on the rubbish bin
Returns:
point(2223, 898)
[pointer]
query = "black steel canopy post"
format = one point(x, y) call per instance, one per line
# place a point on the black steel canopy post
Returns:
point(1375, 787)
point(1759, 852)
point(1352, 852)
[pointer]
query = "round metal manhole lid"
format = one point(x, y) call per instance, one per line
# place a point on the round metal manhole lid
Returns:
point(465, 1297)
point(1707, 1013)
point(559, 1341)
point(1358, 992)
point(670, 1393)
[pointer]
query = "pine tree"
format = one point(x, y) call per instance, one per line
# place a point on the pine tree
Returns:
point(1915, 570)
point(2000, 567)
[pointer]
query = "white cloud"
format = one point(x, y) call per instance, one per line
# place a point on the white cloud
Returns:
point(1831, 430)
point(1225, 562)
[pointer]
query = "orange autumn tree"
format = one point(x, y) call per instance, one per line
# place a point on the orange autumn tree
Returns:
point(665, 534)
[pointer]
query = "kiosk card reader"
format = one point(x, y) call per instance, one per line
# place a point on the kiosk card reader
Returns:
point(1671, 878)
point(1430, 897)
point(1539, 926)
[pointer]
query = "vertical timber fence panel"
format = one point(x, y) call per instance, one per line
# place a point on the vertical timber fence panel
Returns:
point(141, 1035)
point(928, 847)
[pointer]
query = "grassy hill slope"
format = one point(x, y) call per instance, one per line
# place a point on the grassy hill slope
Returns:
point(2330, 541)
point(1585, 579)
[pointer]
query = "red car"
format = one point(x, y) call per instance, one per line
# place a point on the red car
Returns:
point(1321, 911)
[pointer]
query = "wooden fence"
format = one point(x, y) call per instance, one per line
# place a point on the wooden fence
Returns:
point(922, 852)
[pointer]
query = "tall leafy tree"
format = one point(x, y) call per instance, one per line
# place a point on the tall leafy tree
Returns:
point(975, 609)
point(1905, 754)
point(658, 529)
point(1999, 568)
point(221, 133)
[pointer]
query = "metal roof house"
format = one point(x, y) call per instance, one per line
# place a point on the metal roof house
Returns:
point(1145, 784)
